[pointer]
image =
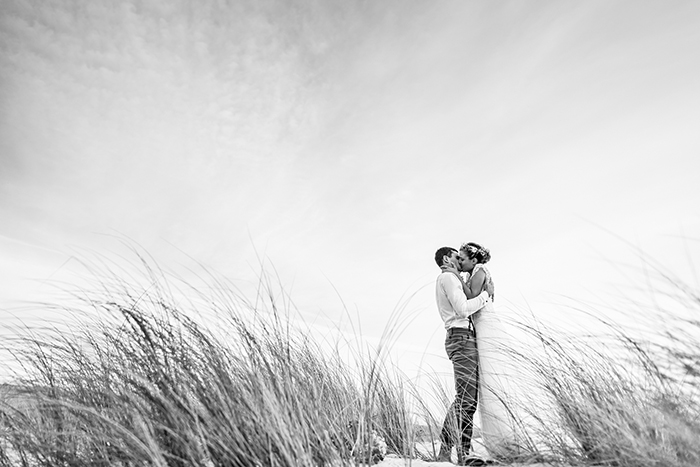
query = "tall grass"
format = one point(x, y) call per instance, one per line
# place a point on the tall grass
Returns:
point(157, 372)
point(146, 383)
point(595, 405)
point(621, 398)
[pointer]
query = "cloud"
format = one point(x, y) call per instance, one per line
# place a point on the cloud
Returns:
point(344, 138)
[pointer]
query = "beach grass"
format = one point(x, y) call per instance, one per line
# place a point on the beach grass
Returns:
point(137, 381)
point(599, 406)
point(618, 397)
point(143, 377)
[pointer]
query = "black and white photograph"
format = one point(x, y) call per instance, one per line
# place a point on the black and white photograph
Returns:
point(290, 233)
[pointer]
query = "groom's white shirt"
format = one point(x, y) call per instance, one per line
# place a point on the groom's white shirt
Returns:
point(453, 304)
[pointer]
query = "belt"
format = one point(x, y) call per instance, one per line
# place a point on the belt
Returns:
point(455, 331)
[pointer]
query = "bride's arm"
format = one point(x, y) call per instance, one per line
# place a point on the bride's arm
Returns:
point(476, 285)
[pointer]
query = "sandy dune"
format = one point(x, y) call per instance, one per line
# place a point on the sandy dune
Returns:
point(395, 461)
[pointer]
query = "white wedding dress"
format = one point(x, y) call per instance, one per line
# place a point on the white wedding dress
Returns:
point(498, 430)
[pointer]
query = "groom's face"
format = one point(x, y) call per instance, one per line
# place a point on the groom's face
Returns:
point(453, 260)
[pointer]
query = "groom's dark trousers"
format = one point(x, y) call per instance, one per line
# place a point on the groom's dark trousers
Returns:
point(460, 345)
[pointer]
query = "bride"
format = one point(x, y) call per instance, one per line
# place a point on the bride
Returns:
point(497, 425)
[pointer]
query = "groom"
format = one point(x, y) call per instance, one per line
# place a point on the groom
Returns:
point(456, 310)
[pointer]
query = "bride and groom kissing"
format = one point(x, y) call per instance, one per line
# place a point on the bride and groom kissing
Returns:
point(472, 327)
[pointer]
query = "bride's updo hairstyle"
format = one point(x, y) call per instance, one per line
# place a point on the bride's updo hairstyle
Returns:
point(474, 250)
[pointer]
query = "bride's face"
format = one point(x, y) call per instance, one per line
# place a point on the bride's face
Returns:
point(466, 264)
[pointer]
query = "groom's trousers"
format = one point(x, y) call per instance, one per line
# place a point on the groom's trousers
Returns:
point(460, 345)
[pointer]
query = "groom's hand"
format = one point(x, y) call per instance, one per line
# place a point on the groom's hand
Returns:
point(451, 268)
point(489, 288)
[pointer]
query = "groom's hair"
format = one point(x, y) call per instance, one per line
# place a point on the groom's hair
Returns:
point(444, 251)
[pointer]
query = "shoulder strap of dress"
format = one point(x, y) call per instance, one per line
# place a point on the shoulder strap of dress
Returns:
point(481, 267)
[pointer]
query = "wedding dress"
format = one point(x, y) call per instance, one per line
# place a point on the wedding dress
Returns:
point(498, 430)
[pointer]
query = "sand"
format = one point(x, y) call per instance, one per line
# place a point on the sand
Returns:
point(395, 461)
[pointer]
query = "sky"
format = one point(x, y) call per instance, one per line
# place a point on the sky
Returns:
point(340, 143)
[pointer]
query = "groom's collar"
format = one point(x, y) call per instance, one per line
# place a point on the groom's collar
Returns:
point(449, 269)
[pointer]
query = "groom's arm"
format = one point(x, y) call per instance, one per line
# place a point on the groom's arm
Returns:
point(463, 306)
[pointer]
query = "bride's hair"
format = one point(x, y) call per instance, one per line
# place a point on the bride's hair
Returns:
point(474, 250)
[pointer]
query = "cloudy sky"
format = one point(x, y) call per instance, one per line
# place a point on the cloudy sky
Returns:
point(345, 141)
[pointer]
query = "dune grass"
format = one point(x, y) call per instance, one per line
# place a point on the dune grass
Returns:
point(144, 383)
point(617, 397)
point(596, 405)
point(145, 378)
